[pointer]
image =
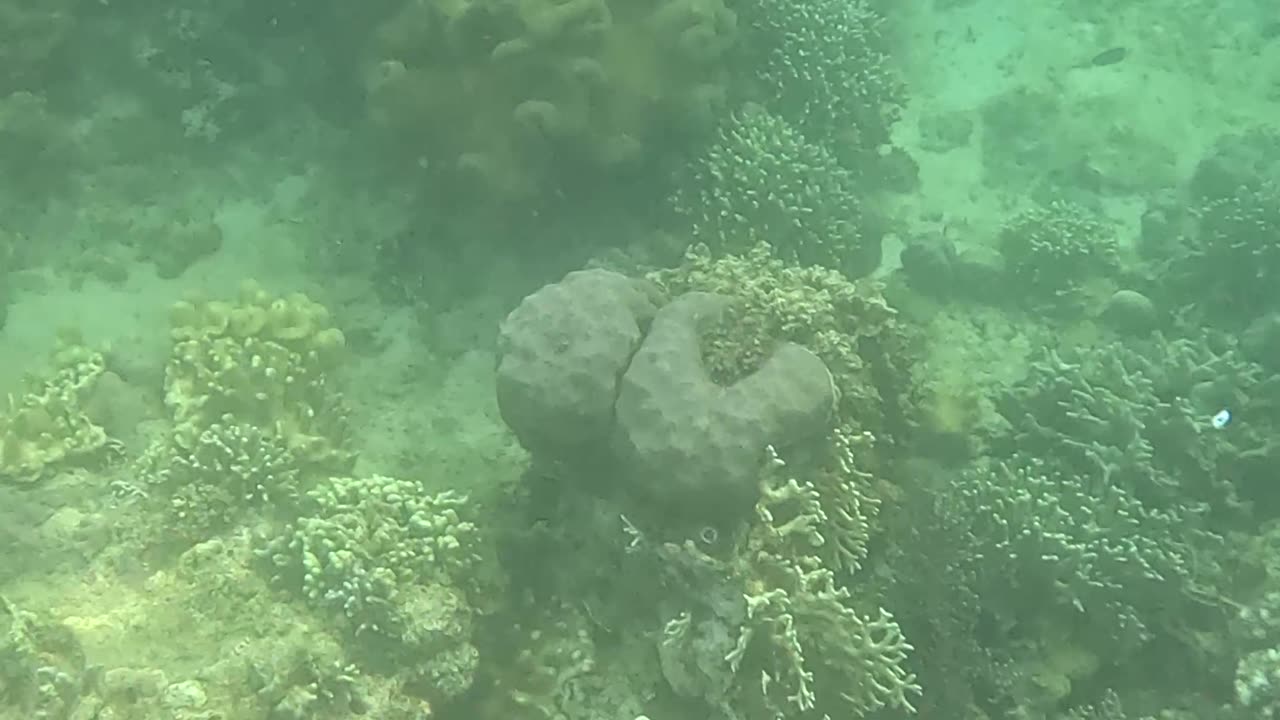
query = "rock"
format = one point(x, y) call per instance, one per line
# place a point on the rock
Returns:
point(927, 263)
point(1130, 312)
point(187, 695)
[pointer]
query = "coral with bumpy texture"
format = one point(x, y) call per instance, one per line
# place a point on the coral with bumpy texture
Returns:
point(761, 180)
point(1236, 255)
point(388, 558)
point(825, 67)
point(1050, 251)
point(846, 323)
point(684, 440)
point(262, 361)
point(46, 428)
point(561, 353)
point(576, 368)
point(508, 95)
point(231, 467)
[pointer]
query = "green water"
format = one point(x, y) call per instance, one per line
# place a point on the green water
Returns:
point(639, 360)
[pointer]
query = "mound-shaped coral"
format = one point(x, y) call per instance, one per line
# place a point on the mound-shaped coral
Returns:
point(674, 437)
point(528, 98)
point(682, 438)
point(562, 352)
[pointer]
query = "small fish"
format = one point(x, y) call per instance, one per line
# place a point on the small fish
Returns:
point(1221, 419)
point(1110, 56)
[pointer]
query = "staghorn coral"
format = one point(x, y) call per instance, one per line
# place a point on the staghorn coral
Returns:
point(770, 631)
point(1076, 546)
point(1138, 416)
point(760, 180)
point(1051, 251)
point(519, 98)
point(47, 428)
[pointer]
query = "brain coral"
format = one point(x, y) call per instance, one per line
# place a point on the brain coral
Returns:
point(523, 97)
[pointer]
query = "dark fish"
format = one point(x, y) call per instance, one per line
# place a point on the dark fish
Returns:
point(1109, 57)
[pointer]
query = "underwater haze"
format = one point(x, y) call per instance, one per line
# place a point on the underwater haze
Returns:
point(639, 360)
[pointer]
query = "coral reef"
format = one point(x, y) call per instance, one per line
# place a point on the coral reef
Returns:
point(562, 351)
point(1052, 251)
point(760, 180)
point(771, 631)
point(523, 99)
point(47, 428)
point(1139, 416)
point(847, 324)
point(228, 468)
point(43, 671)
point(261, 361)
point(388, 559)
point(1235, 260)
point(824, 66)
point(675, 438)
point(683, 439)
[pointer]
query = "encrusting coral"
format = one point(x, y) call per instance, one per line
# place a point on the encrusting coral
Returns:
point(47, 428)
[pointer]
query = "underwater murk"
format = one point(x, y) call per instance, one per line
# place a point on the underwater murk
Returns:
point(639, 360)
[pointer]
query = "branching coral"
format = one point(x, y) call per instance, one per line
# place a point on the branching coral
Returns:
point(1051, 251)
point(815, 654)
point(1138, 416)
point(760, 180)
point(228, 468)
point(388, 558)
point(1075, 545)
point(262, 361)
point(1235, 258)
point(825, 67)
